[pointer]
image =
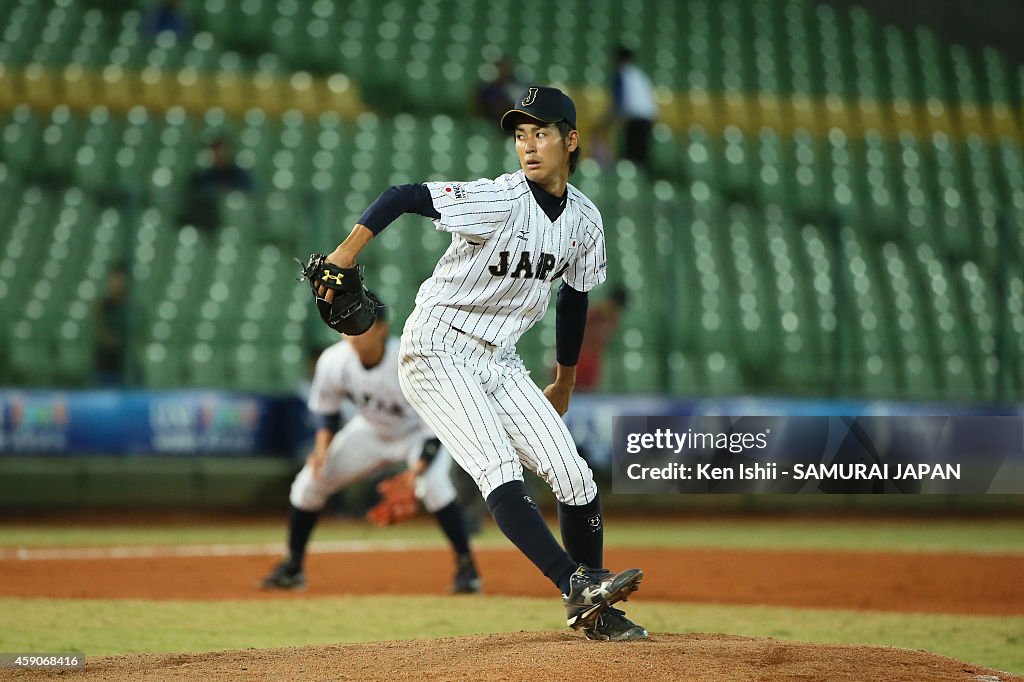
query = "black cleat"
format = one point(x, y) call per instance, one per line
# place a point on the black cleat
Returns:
point(613, 626)
point(591, 591)
point(467, 580)
point(285, 576)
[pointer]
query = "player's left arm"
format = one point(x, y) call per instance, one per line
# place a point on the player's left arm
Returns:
point(570, 323)
point(589, 269)
point(398, 493)
point(426, 456)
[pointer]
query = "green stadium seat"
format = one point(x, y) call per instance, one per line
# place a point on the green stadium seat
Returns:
point(809, 188)
point(643, 372)
point(284, 220)
point(60, 140)
point(978, 311)
point(683, 374)
point(94, 160)
point(10, 186)
point(772, 177)
point(738, 167)
point(32, 351)
point(758, 339)
point(702, 157)
point(881, 195)
point(162, 366)
point(912, 345)
point(21, 138)
point(74, 358)
point(948, 328)
point(737, 230)
point(667, 154)
point(845, 188)
point(722, 375)
point(252, 368)
point(291, 365)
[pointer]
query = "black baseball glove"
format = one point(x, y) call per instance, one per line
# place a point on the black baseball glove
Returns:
point(354, 308)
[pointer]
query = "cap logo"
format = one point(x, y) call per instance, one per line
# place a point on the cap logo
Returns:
point(530, 97)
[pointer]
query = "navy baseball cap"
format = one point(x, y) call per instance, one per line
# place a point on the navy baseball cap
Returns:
point(548, 105)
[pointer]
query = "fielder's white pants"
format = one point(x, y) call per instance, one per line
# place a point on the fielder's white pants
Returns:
point(359, 451)
point(480, 401)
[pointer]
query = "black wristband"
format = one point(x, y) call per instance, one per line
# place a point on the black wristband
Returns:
point(570, 323)
point(331, 422)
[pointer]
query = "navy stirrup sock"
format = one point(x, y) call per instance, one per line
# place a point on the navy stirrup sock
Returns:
point(519, 519)
point(300, 527)
point(454, 526)
point(583, 532)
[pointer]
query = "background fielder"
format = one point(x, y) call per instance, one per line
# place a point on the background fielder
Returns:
point(511, 238)
point(363, 370)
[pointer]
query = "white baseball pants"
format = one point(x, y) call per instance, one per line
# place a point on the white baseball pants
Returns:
point(359, 451)
point(480, 401)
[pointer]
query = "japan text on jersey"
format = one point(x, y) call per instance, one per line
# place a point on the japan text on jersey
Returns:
point(375, 393)
point(494, 281)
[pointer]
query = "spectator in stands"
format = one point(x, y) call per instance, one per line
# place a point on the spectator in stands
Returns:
point(220, 175)
point(111, 332)
point(633, 106)
point(167, 16)
point(602, 323)
point(497, 94)
point(223, 173)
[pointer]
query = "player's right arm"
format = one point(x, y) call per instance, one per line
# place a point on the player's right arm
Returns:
point(326, 397)
point(345, 255)
point(329, 425)
point(393, 202)
point(473, 208)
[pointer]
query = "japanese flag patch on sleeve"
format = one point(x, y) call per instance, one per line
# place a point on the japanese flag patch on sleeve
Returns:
point(455, 190)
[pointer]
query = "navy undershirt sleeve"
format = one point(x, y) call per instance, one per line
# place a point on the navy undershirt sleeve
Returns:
point(570, 322)
point(331, 422)
point(396, 200)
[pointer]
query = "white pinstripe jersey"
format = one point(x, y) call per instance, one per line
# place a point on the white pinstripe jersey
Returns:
point(494, 281)
point(340, 377)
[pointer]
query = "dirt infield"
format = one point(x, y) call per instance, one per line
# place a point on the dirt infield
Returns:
point(549, 655)
point(917, 582)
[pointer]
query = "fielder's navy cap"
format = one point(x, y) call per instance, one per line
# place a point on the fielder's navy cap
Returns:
point(549, 105)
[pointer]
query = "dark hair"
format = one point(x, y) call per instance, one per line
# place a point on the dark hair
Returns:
point(624, 54)
point(574, 155)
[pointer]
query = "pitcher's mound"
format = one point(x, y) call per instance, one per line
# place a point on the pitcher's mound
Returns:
point(552, 655)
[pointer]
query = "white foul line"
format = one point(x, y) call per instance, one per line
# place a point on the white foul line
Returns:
point(159, 551)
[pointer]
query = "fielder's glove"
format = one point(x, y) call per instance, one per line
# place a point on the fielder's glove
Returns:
point(398, 500)
point(354, 308)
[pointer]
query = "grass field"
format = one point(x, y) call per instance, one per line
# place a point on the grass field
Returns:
point(101, 627)
point(976, 536)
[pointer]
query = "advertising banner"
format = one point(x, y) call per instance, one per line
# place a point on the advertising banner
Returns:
point(162, 423)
